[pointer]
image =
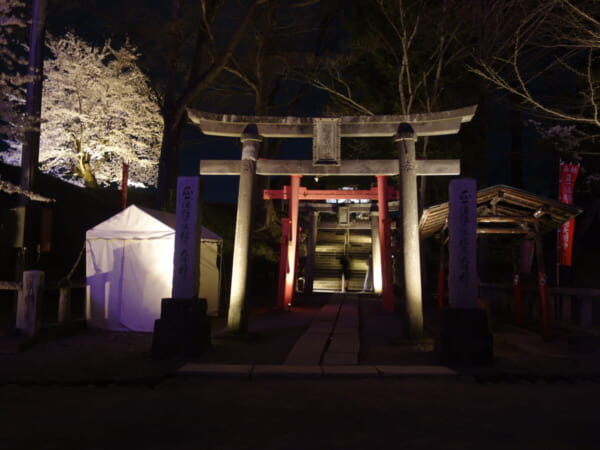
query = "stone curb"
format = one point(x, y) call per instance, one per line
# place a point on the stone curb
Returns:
point(294, 371)
point(216, 370)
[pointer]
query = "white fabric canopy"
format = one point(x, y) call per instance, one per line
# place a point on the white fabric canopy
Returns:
point(129, 269)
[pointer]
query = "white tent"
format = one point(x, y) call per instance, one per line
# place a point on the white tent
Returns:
point(129, 269)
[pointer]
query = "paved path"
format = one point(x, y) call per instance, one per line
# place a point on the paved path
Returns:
point(332, 338)
point(329, 347)
point(370, 413)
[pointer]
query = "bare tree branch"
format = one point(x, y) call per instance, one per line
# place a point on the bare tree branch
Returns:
point(345, 97)
point(563, 26)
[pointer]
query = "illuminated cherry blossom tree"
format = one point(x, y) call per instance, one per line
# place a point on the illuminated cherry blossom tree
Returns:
point(11, 80)
point(98, 112)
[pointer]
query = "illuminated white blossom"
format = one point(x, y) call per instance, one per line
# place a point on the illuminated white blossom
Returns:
point(11, 68)
point(98, 112)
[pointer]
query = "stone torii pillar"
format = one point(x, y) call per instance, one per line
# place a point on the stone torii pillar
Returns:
point(406, 139)
point(236, 319)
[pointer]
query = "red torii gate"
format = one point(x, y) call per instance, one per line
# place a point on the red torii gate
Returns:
point(289, 231)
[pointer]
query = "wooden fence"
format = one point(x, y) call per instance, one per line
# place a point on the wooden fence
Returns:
point(568, 306)
point(31, 292)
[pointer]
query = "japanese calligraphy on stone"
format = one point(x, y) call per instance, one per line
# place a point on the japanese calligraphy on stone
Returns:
point(187, 238)
point(462, 223)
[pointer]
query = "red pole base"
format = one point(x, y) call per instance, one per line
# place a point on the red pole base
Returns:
point(518, 300)
point(283, 262)
point(441, 289)
point(546, 328)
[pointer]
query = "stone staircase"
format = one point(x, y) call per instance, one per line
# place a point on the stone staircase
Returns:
point(331, 246)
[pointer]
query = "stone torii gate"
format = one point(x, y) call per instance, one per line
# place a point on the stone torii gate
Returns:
point(326, 134)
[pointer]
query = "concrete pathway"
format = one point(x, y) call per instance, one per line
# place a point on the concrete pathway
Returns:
point(328, 348)
point(332, 338)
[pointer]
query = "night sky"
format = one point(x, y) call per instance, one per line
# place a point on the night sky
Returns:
point(96, 21)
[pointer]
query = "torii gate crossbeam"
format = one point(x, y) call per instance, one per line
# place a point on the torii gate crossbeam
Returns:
point(327, 194)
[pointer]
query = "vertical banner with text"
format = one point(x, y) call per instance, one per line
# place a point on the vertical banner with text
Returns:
point(568, 175)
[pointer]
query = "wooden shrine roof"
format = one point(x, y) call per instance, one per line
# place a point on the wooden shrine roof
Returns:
point(504, 210)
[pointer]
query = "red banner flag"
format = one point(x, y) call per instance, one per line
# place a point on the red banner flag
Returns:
point(568, 175)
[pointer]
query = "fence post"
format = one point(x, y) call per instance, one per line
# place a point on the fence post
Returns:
point(64, 304)
point(565, 305)
point(585, 314)
point(518, 300)
point(29, 303)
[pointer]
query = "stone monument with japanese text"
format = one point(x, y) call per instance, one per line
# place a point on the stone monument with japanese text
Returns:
point(465, 337)
point(183, 328)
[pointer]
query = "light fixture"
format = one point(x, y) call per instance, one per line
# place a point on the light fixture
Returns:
point(540, 212)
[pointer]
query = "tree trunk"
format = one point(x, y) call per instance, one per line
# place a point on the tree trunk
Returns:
point(516, 154)
point(174, 108)
point(169, 144)
point(88, 177)
point(169, 161)
point(31, 143)
point(423, 180)
point(84, 170)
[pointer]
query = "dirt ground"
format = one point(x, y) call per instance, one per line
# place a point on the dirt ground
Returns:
point(101, 390)
point(302, 414)
point(102, 358)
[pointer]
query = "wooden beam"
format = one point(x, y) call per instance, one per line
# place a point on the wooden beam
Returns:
point(335, 225)
point(220, 167)
point(501, 231)
point(507, 219)
point(328, 194)
point(331, 208)
point(435, 167)
point(430, 124)
point(346, 168)
point(284, 130)
point(372, 167)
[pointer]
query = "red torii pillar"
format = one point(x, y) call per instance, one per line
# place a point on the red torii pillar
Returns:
point(283, 261)
point(290, 274)
point(384, 242)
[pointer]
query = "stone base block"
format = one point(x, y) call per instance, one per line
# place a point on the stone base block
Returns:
point(66, 329)
point(583, 343)
point(10, 345)
point(465, 338)
point(183, 329)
